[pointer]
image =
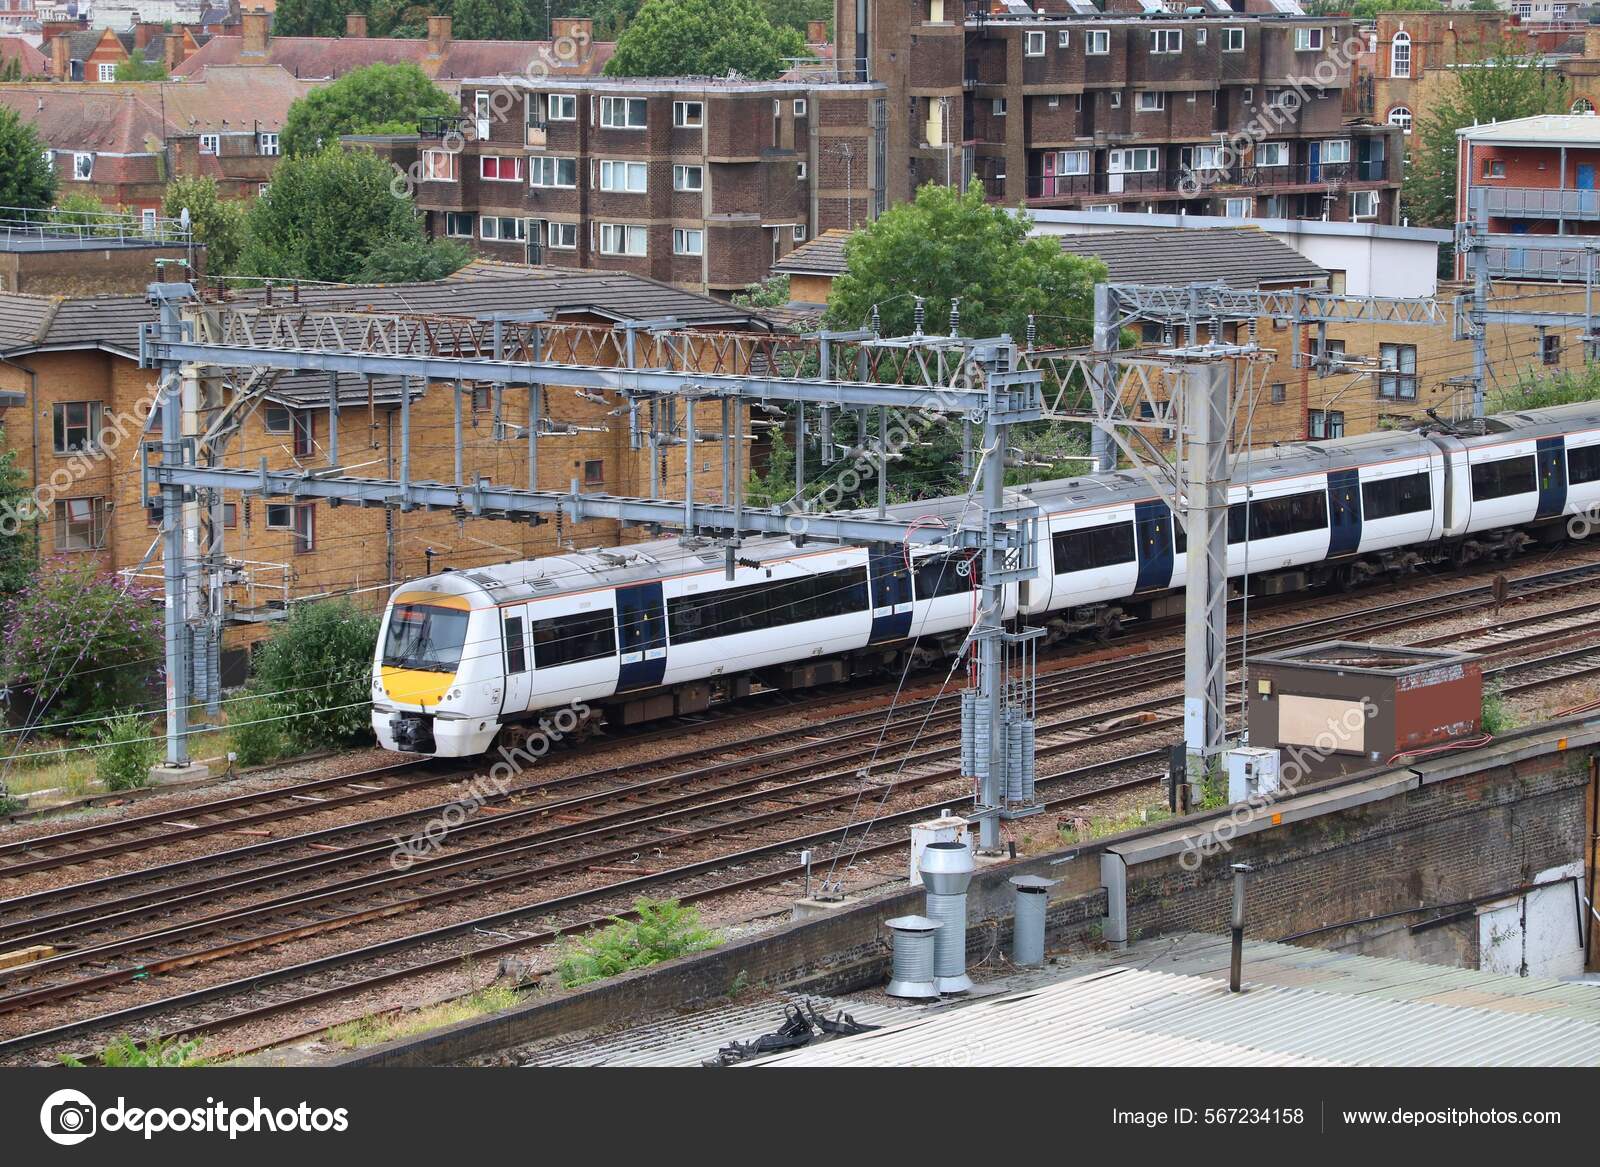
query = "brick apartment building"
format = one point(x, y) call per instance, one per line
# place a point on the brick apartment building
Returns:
point(696, 182)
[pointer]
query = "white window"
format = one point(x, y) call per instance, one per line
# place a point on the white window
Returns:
point(458, 224)
point(694, 177)
point(1363, 204)
point(688, 115)
point(1199, 36)
point(1053, 101)
point(1272, 154)
point(561, 107)
point(1233, 40)
point(1521, 11)
point(262, 188)
point(147, 220)
point(1400, 55)
point(800, 171)
point(80, 524)
point(1400, 116)
point(563, 236)
point(553, 172)
point(1237, 208)
point(502, 229)
point(1203, 157)
point(624, 177)
point(1063, 39)
point(688, 241)
point(1583, 105)
point(799, 107)
point(107, 72)
point(623, 113)
point(1116, 99)
point(798, 234)
point(77, 426)
point(1136, 160)
point(1096, 42)
point(1035, 45)
point(1307, 40)
point(1166, 40)
point(623, 239)
point(440, 166)
point(1072, 162)
point(1336, 150)
point(1248, 96)
point(495, 168)
point(49, 157)
point(83, 167)
point(210, 143)
point(999, 107)
point(1151, 101)
point(267, 145)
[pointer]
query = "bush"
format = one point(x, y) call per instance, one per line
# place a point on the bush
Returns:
point(124, 1052)
point(664, 929)
point(256, 734)
point(127, 752)
point(317, 673)
point(1497, 717)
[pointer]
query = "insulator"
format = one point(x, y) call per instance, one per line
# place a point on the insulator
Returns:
point(876, 323)
point(919, 316)
point(955, 317)
point(1033, 333)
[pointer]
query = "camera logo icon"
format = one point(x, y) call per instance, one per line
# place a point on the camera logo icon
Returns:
point(68, 1117)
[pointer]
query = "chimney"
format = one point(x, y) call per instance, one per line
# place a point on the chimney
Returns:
point(1591, 42)
point(579, 30)
point(172, 50)
point(253, 28)
point(144, 32)
point(816, 32)
point(438, 36)
point(355, 24)
point(61, 58)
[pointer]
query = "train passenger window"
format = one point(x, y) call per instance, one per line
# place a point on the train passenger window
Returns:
point(767, 605)
point(1506, 477)
point(1583, 464)
point(516, 653)
point(946, 574)
point(565, 640)
point(1091, 547)
point(1272, 518)
point(1396, 496)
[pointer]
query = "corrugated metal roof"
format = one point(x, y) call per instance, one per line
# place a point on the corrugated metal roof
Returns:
point(1241, 257)
point(1550, 128)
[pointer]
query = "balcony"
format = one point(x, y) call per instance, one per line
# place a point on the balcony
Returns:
point(1542, 257)
point(1183, 181)
point(442, 127)
point(1522, 202)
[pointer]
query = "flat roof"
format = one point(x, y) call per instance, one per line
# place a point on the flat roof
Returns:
point(1549, 129)
point(1137, 219)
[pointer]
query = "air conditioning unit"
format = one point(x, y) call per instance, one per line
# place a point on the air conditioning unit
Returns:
point(1251, 772)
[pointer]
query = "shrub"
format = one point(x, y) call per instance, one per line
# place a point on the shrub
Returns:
point(662, 930)
point(124, 1052)
point(317, 673)
point(256, 733)
point(1496, 717)
point(127, 752)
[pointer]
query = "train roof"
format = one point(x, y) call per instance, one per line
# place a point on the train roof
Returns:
point(1546, 422)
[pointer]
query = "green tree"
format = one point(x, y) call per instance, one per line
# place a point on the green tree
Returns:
point(134, 69)
point(81, 209)
point(412, 261)
point(703, 38)
point(1504, 84)
point(26, 179)
point(218, 223)
point(490, 20)
point(377, 99)
point(312, 17)
point(798, 14)
point(11, 69)
point(323, 215)
point(19, 548)
point(316, 675)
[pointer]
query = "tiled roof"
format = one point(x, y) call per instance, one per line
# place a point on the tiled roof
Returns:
point(320, 58)
point(34, 63)
point(822, 256)
point(1241, 257)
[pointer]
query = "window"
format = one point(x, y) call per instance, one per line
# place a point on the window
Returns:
point(800, 171)
point(305, 527)
point(440, 166)
point(1401, 116)
point(1092, 547)
point(262, 188)
point(458, 224)
point(77, 426)
point(1388, 497)
point(1505, 477)
point(623, 177)
point(80, 524)
point(1325, 423)
point(1199, 36)
point(497, 169)
point(1398, 381)
point(230, 515)
point(1336, 150)
point(688, 241)
point(267, 144)
point(1522, 10)
point(594, 472)
point(277, 419)
point(1583, 105)
point(305, 434)
point(280, 516)
point(502, 229)
point(1233, 40)
point(1329, 355)
point(1307, 40)
point(1134, 160)
point(1400, 55)
point(1494, 168)
point(1035, 45)
point(799, 107)
point(1247, 95)
point(1550, 349)
point(756, 607)
point(999, 107)
point(1272, 518)
point(83, 167)
point(1069, 162)
point(516, 651)
point(210, 143)
point(1272, 154)
point(688, 115)
point(624, 113)
point(147, 220)
point(563, 236)
point(1202, 157)
point(1096, 42)
point(1166, 40)
point(1363, 204)
point(1583, 464)
point(553, 172)
point(946, 574)
point(1053, 101)
point(49, 159)
point(692, 177)
point(561, 107)
point(1063, 38)
point(566, 640)
point(622, 239)
point(1151, 101)
point(1280, 393)
point(1237, 208)
point(1116, 99)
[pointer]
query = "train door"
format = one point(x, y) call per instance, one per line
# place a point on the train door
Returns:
point(1552, 477)
point(1152, 529)
point(642, 636)
point(891, 593)
point(1344, 512)
point(516, 659)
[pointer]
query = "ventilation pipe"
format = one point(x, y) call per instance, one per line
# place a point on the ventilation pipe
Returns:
point(946, 873)
point(913, 975)
point(1027, 933)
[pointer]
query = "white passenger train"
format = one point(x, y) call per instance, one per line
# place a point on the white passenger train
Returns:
point(470, 659)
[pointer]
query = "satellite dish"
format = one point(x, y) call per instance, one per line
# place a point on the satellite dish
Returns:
point(183, 218)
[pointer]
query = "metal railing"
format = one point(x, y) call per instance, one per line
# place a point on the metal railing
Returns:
point(435, 126)
point(1537, 202)
point(1203, 179)
point(24, 227)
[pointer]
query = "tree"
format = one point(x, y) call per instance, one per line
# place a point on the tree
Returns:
point(412, 261)
point(703, 38)
point(311, 17)
point(216, 222)
point(81, 209)
point(134, 69)
point(26, 179)
point(490, 20)
point(798, 14)
point(315, 675)
point(1369, 9)
point(376, 99)
point(19, 548)
point(323, 215)
point(1504, 84)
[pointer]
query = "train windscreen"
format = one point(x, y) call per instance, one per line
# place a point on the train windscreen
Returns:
point(424, 637)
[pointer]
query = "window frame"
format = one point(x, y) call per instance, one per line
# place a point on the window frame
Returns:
point(681, 237)
point(1096, 42)
point(1034, 43)
point(681, 119)
point(455, 217)
point(628, 169)
point(553, 240)
point(63, 523)
point(79, 173)
point(555, 102)
point(1166, 42)
point(1233, 39)
point(540, 163)
point(627, 105)
point(430, 171)
point(626, 231)
point(499, 161)
point(1142, 105)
